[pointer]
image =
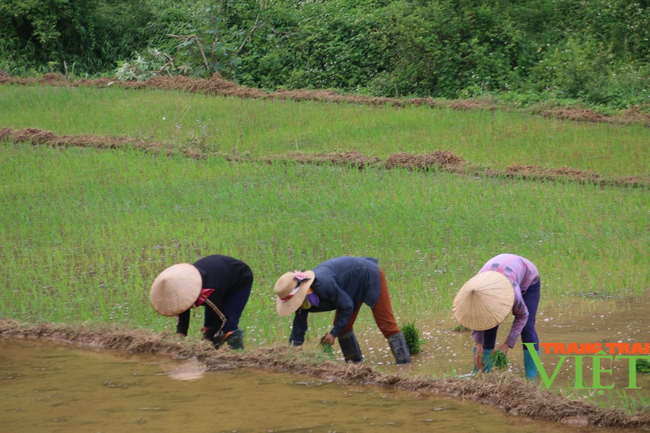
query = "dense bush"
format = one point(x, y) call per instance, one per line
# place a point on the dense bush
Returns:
point(597, 51)
point(89, 36)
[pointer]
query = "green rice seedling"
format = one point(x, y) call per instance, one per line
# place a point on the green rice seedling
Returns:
point(499, 360)
point(114, 219)
point(327, 349)
point(219, 125)
point(93, 227)
point(460, 328)
point(615, 399)
point(412, 337)
point(643, 366)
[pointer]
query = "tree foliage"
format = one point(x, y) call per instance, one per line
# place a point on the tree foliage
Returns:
point(89, 35)
point(596, 50)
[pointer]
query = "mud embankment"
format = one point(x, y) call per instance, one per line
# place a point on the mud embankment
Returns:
point(436, 161)
point(217, 86)
point(506, 391)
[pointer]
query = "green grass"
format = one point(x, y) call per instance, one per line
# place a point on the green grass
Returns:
point(628, 401)
point(84, 232)
point(265, 127)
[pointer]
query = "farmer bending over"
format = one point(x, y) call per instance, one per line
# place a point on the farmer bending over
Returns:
point(221, 284)
point(506, 282)
point(342, 284)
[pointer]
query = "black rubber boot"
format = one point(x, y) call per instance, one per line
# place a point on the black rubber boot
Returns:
point(399, 348)
point(236, 339)
point(217, 340)
point(350, 347)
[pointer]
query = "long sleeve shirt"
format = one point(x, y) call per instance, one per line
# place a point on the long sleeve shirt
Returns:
point(522, 273)
point(225, 275)
point(341, 284)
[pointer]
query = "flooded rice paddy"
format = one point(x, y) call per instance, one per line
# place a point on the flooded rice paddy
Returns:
point(55, 389)
point(48, 387)
point(448, 352)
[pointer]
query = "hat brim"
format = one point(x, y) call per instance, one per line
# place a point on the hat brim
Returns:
point(284, 308)
point(484, 301)
point(176, 289)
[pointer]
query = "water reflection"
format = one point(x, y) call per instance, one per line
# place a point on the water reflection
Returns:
point(55, 389)
point(446, 352)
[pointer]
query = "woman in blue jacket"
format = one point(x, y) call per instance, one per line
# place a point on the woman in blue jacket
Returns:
point(342, 284)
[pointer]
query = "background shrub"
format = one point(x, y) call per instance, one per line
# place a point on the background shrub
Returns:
point(594, 51)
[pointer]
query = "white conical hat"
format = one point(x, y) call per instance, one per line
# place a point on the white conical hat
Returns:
point(484, 301)
point(176, 289)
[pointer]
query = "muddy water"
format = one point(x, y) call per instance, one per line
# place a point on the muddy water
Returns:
point(446, 352)
point(55, 389)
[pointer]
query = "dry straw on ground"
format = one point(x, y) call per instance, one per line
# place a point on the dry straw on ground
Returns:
point(220, 87)
point(505, 391)
point(436, 161)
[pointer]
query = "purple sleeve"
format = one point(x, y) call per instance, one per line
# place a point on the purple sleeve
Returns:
point(478, 337)
point(521, 318)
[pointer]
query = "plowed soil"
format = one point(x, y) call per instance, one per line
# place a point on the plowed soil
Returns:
point(218, 86)
point(436, 161)
point(505, 391)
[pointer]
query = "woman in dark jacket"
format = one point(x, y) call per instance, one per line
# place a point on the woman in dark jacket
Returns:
point(221, 284)
point(343, 284)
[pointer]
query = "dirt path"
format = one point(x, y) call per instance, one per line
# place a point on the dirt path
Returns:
point(436, 161)
point(220, 87)
point(506, 391)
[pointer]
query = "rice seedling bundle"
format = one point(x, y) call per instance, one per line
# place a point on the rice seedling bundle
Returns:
point(643, 366)
point(460, 328)
point(412, 337)
point(499, 360)
point(327, 349)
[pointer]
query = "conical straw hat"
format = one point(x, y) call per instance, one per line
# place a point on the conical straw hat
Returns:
point(287, 285)
point(484, 301)
point(176, 289)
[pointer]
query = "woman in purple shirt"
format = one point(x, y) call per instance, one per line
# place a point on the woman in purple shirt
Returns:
point(486, 300)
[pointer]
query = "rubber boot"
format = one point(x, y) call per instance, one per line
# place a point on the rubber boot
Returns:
point(487, 360)
point(399, 348)
point(217, 340)
point(529, 365)
point(350, 347)
point(236, 339)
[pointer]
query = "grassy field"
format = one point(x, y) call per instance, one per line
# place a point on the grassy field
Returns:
point(219, 125)
point(83, 232)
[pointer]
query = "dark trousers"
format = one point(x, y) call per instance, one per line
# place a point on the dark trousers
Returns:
point(528, 334)
point(233, 307)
